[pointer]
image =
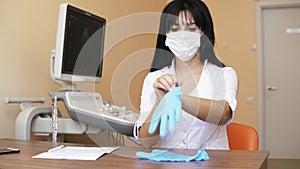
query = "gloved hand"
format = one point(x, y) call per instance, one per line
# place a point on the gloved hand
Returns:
point(167, 112)
point(164, 155)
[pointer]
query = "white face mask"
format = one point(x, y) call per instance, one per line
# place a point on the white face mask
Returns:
point(183, 44)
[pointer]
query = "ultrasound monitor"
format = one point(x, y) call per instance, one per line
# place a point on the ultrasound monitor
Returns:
point(78, 57)
point(79, 45)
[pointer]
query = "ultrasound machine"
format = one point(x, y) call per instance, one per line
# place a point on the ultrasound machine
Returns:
point(78, 57)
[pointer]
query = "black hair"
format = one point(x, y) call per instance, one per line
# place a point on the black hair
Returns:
point(200, 12)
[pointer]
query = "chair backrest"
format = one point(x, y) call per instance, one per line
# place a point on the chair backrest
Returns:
point(242, 137)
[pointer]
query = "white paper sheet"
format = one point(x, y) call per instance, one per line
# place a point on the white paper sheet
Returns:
point(75, 153)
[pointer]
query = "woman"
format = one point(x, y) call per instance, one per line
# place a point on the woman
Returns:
point(185, 55)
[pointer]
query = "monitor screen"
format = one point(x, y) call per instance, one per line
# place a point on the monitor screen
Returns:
point(79, 45)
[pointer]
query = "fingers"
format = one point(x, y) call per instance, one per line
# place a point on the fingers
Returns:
point(155, 120)
point(178, 115)
point(163, 125)
point(165, 82)
point(172, 121)
point(156, 117)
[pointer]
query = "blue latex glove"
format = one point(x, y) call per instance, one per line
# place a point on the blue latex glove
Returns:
point(165, 155)
point(167, 112)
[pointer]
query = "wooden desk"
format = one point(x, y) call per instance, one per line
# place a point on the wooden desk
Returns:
point(123, 158)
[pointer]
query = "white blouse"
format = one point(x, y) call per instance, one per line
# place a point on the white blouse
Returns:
point(215, 83)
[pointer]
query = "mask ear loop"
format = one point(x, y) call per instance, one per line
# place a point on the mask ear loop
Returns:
point(202, 33)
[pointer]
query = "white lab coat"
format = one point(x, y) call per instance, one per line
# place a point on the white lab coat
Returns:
point(191, 133)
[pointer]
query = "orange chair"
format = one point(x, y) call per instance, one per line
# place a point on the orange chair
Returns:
point(242, 137)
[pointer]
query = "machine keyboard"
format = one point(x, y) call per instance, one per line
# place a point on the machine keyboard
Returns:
point(93, 103)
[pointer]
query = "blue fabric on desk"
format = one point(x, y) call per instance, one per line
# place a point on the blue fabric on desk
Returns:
point(165, 155)
point(168, 112)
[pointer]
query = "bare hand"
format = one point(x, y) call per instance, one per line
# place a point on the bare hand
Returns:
point(163, 85)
